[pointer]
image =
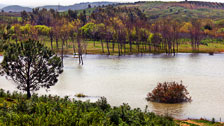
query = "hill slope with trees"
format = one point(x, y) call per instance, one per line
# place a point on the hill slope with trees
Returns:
point(179, 10)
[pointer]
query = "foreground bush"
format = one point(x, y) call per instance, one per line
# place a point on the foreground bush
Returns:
point(15, 109)
point(169, 92)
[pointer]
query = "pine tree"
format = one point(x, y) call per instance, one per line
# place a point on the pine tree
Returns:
point(31, 66)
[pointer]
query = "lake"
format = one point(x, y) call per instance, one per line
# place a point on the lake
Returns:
point(128, 79)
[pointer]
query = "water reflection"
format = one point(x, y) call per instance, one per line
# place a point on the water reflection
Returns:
point(173, 110)
point(194, 55)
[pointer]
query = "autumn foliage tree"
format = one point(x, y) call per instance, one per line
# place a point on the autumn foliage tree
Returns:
point(169, 92)
point(122, 30)
point(31, 66)
point(196, 34)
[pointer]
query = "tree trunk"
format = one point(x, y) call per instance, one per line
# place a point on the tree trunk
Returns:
point(62, 52)
point(130, 43)
point(113, 45)
point(28, 80)
point(137, 45)
point(149, 48)
point(80, 52)
point(121, 46)
point(51, 43)
point(28, 93)
point(73, 45)
point(108, 49)
point(119, 53)
point(80, 60)
point(66, 43)
point(124, 47)
point(102, 45)
point(174, 48)
point(57, 43)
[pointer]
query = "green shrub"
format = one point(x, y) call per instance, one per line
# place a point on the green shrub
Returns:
point(53, 110)
point(80, 95)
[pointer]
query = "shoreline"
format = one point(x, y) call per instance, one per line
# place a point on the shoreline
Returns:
point(129, 54)
point(136, 54)
point(188, 121)
point(69, 51)
point(197, 122)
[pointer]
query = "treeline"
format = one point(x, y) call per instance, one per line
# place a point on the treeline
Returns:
point(126, 30)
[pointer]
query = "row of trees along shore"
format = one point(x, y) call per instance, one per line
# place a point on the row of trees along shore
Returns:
point(127, 29)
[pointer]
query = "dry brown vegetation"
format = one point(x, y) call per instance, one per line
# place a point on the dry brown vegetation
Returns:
point(169, 92)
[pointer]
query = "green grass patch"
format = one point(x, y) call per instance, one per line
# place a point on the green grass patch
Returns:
point(208, 123)
point(207, 45)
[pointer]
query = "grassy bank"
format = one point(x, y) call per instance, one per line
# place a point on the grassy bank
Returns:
point(92, 47)
point(15, 109)
point(197, 122)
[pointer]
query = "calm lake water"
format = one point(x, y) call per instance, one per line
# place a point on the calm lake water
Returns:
point(128, 79)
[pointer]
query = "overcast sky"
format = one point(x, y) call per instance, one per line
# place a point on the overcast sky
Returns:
point(35, 3)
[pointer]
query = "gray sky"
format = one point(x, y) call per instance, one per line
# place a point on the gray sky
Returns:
point(35, 3)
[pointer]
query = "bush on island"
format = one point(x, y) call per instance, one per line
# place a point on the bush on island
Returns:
point(169, 92)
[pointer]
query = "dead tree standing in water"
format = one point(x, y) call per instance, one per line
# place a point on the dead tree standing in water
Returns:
point(80, 50)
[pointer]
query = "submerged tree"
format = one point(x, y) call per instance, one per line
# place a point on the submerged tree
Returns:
point(31, 66)
point(169, 92)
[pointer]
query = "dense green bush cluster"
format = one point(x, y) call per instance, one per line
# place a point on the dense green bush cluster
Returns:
point(15, 109)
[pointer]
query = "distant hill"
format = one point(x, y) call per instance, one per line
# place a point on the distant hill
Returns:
point(80, 6)
point(16, 8)
point(2, 5)
point(183, 11)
